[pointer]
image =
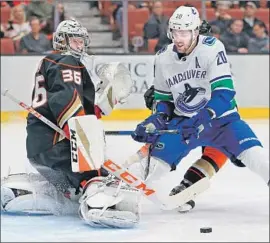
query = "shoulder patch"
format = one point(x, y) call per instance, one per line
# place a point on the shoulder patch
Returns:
point(163, 49)
point(209, 40)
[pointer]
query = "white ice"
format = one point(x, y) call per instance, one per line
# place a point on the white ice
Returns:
point(236, 206)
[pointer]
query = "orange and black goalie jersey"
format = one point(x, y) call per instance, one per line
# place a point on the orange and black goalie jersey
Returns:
point(63, 89)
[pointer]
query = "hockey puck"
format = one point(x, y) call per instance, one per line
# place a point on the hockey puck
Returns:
point(206, 230)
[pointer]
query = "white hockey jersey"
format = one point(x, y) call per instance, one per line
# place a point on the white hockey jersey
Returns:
point(189, 82)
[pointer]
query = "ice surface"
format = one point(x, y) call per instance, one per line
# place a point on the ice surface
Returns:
point(236, 206)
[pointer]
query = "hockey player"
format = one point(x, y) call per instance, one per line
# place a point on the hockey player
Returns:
point(211, 161)
point(195, 95)
point(64, 89)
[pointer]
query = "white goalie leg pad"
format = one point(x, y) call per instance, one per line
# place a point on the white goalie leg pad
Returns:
point(32, 194)
point(139, 156)
point(257, 160)
point(138, 168)
point(18, 194)
point(157, 169)
point(7, 195)
point(109, 204)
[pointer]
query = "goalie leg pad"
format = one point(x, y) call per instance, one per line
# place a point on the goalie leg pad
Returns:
point(157, 169)
point(106, 202)
point(31, 194)
point(111, 218)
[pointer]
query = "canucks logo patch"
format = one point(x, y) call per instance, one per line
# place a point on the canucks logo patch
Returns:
point(209, 40)
point(160, 146)
point(190, 93)
point(184, 99)
point(193, 11)
point(163, 49)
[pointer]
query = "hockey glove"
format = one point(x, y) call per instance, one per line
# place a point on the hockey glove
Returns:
point(149, 97)
point(191, 128)
point(143, 131)
point(205, 28)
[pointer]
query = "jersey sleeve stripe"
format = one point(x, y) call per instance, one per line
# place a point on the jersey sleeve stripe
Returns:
point(233, 104)
point(70, 112)
point(163, 97)
point(162, 92)
point(57, 137)
point(224, 88)
point(67, 106)
point(232, 109)
point(221, 77)
point(74, 105)
point(63, 64)
point(222, 83)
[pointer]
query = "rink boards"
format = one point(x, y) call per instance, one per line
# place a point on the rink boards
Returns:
point(140, 114)
point(251, 84)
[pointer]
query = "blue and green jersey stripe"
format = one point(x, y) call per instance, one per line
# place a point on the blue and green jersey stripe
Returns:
point(224, 82)
point(162, 95)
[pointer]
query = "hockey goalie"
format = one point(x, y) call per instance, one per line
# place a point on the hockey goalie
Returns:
point(70, 178)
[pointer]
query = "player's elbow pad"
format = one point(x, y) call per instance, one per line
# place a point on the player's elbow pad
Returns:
point(220, 101)
point(165, 107)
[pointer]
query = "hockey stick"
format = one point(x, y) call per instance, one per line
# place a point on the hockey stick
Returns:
point(59, 130)
point(124, 133)
point(172, 202)
point(155, 132)
point(34, 112)
point(109, 165)
point(171, 131)
point(147, 169)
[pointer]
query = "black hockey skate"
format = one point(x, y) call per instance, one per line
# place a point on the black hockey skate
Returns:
point(188, 205)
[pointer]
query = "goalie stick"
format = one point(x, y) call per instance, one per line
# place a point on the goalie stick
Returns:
point(171, 202)
point(157, 132)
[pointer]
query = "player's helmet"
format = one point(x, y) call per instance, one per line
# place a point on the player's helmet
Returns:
point(184, 18)
point(66, 30)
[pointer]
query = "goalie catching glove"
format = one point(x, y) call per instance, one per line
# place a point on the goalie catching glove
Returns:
point(114, 87)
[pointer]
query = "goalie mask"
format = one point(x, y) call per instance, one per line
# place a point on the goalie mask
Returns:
point(183, 28)
point(72, 37)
